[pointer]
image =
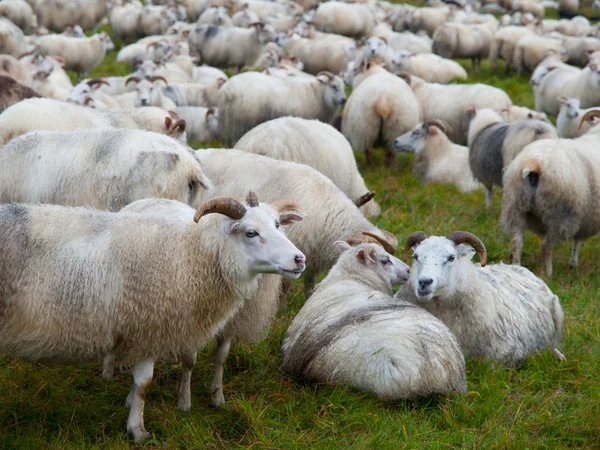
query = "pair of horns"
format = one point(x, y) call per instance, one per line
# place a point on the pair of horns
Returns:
point(441, 124)
point(457, 237)
point(589, 115)
point(227, 206)
point(389, 243)
point(151, 79)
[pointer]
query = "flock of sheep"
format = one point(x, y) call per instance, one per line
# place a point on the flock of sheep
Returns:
point(120, 243)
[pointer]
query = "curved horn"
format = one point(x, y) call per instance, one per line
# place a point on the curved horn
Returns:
point(23, 55)
point(177, 124)
point(389, 243)
point(222, 205)
point(153, 78)
point(589, 115)
point(414, 239)
point(441, 124)
point(252, 199)
point(134, 79)
point(364, 199)
point(173, 115)
point(460, 237)
point(327, 74)
point(97, 81)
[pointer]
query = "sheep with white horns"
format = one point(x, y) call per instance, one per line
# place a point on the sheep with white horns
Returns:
point(317, 145)
point(352, 331)
point(194, 277)
point(497, 312)
point(551, 187)
point(437, 159)
point(251, 98)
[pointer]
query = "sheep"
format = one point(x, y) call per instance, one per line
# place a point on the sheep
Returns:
point(437, 159)
point(548, 64)
point(530, 50)
point(12, 39)
point(11, 92)
point(571, 83)
point(195, 276)
point(318, 55)
point(380, 104)
point(80, 54)
point(516, 113)
point(347, 19)
point(25, 116)
point(101, 168)
point(201, 124)
point(578, 49)
point(429, 67)
point(230, 46)
point(264, 8)
point(194, 94)
point(215, 15)
point(353, 331)
point(403, 41)
point(49, 77)
point(250, 99)
point(457, 40)
point(244, 17)
point(568, 122)
point(333, 216)
point(494, 143)
point(427, 19)
point(131, 22)
point(317, 145)
point(550, 188)
point(504, 43)
point(498, 312)
point(149, 95)
point(89, 92)
point(450, 103)
point(20, 13)
point(56, 15)
point(14, 68)
point(205, 74)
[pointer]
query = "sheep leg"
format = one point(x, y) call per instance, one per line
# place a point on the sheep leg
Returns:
point(547, 246)
point(216, 389)
point(558, 355)
point(369, 156)
point(285, 286)
point(390, 159)
point(574, 261)
point(488, 196)
point(517, 247)
point(108, 369)
point(184, 399)
point(142, 378)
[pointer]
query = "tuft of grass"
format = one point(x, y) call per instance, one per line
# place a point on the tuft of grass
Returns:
point(542, 405)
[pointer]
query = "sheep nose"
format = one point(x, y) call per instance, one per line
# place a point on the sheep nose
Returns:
point(343, 101)
point(425, 282)
point(300, 259)
point(144, 101)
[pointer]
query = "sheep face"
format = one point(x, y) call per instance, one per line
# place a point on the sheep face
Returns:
point(107, 43)
point(436, 260)
point(412, 141)
point(400, 58)
point(147, 93)
point(334, 89)
point(375, 47)
point(572, 107)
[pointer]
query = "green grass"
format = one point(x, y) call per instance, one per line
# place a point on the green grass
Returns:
point(543, 405)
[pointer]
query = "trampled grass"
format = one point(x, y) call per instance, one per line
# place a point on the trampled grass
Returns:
point(543, 404)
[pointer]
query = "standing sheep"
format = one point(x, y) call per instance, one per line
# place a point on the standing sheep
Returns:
point(348, 19)
point(499, 312)
point(352, 331)
point(457, 40)
point(568, 122)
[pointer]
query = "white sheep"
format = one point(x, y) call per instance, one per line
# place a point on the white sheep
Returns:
point(381, 104)
point(568, 121)
point(12, 39)
point(403, 41)
point(250, 99)
point(578, 49)
point(504, 43)
point(516, 113)
point(348, 19)
point(133, 21)
point(149, 94)
point(194, 94)
point(20, 13)
point(318, 55)
point(437, 159)
point(530, 50)
point(457, 40)
point(427, 19)
point(317, 145)
point(352, 331)
point(215, 15)
point(56, 15)
point(497, 312)
point(155, 288)
point(431, 68)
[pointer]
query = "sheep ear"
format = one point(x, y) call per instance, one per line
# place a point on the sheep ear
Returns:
point(168, 122)
point(323, 79)
point(360, 255)
point(290, 218)
point(342, 246)
point(465, 251)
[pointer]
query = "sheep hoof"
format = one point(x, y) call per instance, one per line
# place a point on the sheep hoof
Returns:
point(139, 434)
point(184, 405)
point(558, 355)
point(217, 399)
point(108, 374)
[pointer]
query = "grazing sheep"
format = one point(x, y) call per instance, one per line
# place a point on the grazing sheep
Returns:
point(450, 103)
point(201, 123)
point(551, 188)
point(20, 13)
point(100, 168)
point(431, 68)
point(352, 331)
point(152, 287)
point(380, 104)
point(494, 143)
point(568, 122)
point(347, 19)
point(499, 312)
point(11, 92)
point(12, 39)
point(131, 22)
point(317, 145)
point(249, 99)
point(333, 216)
point(437, 159)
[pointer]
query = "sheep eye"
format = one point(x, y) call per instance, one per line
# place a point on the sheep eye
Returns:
point(415, 133)
point(386, 261)
point(451, 258)
point(416, 257)
point(251, 233)
point(277, 224)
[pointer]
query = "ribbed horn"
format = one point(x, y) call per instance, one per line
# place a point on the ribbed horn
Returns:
point(223, 205)
point(389, 243)
point(154, 78)
point(252, 199)
point(97, 81)
point(464, 237)
point(135, 79)
point(441, 124)
point(364, 199)
point(178, 124)
point(173, 115)
point(589, 115)
point(414, 239)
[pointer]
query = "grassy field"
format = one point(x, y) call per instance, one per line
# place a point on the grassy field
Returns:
point(541, 405)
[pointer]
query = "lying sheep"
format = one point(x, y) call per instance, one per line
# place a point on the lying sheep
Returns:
point(450, 103)
point(348, 19)
point(155, 288)
point(352, 331)
point(550, 188)
point(499, 312)
point(429, 67)
point(568, 122)
point(457, 40)
point(380, 104)
point(317, 145)
point(231, 47)
point(250, 99)
point(101, 168)
point(20, 13)
point(12, 39)
point(333, 216)
point(11, 92)
point(494, 143)
point(437, 159)
point(201, 123)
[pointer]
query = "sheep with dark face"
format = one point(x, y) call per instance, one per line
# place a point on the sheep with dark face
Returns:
point(497, 312)
point(11, 92)
point(352, 331)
